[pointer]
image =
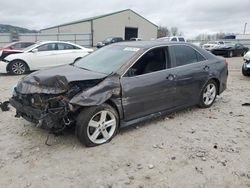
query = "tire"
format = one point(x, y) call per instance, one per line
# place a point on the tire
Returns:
point(91, 129)
point(207, 98)
point(230, 54)
point(244, 72)
point(18, 67)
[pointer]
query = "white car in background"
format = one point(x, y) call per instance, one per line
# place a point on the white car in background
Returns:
point(213, 44)
point(43, 55)
point(172, 39)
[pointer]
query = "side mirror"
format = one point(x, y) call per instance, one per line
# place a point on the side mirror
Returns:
point(131, 72)
point(34, 50)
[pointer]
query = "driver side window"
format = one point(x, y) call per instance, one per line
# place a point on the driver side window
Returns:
point(154, 60)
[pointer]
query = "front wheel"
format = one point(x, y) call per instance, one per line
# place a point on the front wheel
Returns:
point(208, 94)
point(18, 67)
point(97, 125)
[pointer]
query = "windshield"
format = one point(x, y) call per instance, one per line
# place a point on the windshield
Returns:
point(107, 60)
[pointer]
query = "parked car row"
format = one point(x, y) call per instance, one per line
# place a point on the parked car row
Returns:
point(42, 55)
point(230, 50)
point(225, 48)
point(213, 44)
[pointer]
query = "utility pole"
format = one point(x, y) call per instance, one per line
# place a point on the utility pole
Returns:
point(245, 28)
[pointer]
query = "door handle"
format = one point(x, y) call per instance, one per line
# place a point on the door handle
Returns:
point(206, 68)
point(170, 77)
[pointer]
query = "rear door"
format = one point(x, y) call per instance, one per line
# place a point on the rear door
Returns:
point(147, 86)
point(191, 71)
point(67, 53)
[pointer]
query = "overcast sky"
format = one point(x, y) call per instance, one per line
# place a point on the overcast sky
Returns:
point(192, 17)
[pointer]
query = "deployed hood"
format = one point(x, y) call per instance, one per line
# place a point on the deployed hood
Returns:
point(55, 80)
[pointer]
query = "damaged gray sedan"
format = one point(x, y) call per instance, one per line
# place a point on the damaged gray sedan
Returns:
point(120, 85)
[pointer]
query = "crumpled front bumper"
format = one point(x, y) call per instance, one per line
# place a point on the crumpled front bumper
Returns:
point(29, 113)
point(3, 67)
point(51, 119)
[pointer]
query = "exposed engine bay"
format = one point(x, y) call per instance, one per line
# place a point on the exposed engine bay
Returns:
point(54, 103)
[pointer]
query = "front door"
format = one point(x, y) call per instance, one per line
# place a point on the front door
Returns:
point(147, 87)
point(46, 56)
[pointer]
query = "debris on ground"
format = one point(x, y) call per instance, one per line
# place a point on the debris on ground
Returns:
point(139, 166)
point(245, 104)
point(173, 158)
point(5, 106)
point(159, 146)
point(199, 170)
point(17, 154)
point(150, 166)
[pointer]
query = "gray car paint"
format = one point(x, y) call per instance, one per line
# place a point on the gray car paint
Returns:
point(134, 97)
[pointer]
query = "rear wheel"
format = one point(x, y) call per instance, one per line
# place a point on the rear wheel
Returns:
point(208, 94)
point(18, 67)
point(97, 125)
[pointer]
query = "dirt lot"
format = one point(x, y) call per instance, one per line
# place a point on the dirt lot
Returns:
point(192, 148)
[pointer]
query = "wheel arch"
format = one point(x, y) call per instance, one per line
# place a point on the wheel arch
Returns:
point(118, 108)
point(8, 66)
point(217, 81)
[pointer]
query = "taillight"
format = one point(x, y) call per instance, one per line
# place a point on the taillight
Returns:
point(226, 62)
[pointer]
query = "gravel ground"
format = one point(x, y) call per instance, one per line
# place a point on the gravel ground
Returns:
point(192, 148)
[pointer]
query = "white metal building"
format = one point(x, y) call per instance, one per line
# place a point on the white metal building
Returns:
point(125, 24)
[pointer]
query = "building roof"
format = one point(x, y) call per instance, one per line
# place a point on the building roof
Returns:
point(97, 17)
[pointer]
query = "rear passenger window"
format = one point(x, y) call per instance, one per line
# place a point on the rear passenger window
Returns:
point(186, 55)
point(174, 39)
point(62, 46)
point(152, 61)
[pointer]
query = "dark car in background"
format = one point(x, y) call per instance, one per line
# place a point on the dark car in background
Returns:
point(108, 41)
point(120, 85)
point(230, 50)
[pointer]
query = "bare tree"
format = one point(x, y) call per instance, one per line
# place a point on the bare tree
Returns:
point(174, 31)
point(163, 32)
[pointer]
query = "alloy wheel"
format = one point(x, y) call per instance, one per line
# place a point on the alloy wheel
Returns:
point(18, 67)
point(101, 127)
point(209, 94)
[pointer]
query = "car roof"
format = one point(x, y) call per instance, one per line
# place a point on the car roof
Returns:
point(149, 44)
